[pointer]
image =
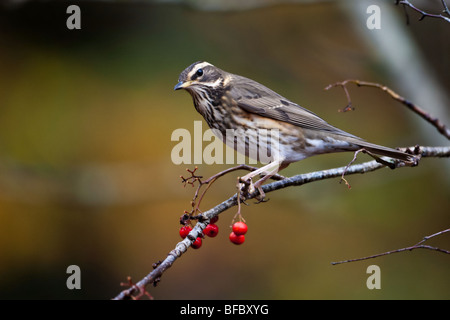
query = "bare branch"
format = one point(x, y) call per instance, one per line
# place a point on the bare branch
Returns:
point(446, 10)
point(424, 14)
point(418, 245)
point(441, 127)
point(196, 200)
point(297, 180)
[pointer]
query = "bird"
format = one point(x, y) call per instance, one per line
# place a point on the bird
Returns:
point(233, 103)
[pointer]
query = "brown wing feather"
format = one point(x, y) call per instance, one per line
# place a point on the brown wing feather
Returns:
point(255, 98)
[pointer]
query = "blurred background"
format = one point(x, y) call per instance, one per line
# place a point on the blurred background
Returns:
point(86, 178)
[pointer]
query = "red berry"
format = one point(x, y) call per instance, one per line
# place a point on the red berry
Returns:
point(237, 239)
point(211, 230)
point(240, 228)
point(197, 243)
point(214, 219)
point(184, 231)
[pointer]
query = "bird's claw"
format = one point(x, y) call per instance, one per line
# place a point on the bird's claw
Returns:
point(247, 187)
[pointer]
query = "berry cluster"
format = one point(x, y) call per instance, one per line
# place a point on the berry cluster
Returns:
point(211, 230)
point(237, 236)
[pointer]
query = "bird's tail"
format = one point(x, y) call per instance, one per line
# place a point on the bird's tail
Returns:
point(388, 152)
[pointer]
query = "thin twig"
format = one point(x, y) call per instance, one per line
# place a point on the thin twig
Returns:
point(418, 245)
point(197, 206)
point(424, 14)
point(348, 166)
point(193, 178)
point(439, 125)
point(446, 10)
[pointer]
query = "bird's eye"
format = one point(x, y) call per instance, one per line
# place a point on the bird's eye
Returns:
point(199, 72)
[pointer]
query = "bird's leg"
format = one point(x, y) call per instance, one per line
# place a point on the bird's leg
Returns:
point(245, 183)
point(261, 181)
point(257, 185)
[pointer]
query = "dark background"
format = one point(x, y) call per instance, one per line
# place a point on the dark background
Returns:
point(86, 176)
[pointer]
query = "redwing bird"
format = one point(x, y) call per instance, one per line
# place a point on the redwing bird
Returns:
point(229, 101)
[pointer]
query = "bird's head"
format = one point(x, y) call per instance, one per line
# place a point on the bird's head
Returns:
point(199, 75)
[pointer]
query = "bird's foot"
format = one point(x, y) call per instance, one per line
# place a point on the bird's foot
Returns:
point(247, 187)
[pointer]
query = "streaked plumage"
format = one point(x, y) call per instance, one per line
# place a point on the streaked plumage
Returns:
point(229, 101)
point(248, 98)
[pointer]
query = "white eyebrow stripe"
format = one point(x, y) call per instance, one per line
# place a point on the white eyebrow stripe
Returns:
point(217, 82)
point(198, 66)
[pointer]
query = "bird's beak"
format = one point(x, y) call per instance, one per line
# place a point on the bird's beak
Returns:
point(182, 85)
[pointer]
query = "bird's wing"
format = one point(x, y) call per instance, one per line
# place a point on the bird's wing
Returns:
point(255, 98)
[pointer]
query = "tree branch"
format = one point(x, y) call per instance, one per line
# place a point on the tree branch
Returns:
point(297, 180)
point(424, 14)
point(441, 127)
point(418, 245)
